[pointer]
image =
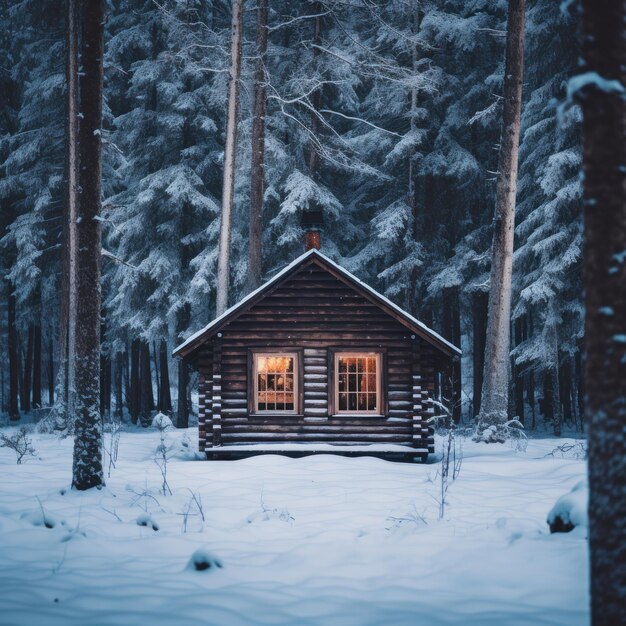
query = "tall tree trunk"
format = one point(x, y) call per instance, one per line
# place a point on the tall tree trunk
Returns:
point(228, 185)
point(87, 468)
point(146, 398)
point(316, 96)
point(182, 412)
point(133, 396)
point(14, 412)
point(157, 374)
point(257, 172)
point(494, 402)
point(50, 371)
point(520, 324)
point(480, 301)
point(28, 369)
point(604, 154)
point(37, 367)
point(119, 400)
point(165, 399)
point(67, 317)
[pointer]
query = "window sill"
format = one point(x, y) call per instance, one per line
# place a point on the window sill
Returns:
point(358, 415)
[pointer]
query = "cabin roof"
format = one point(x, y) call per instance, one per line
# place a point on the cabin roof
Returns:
point(315, 256)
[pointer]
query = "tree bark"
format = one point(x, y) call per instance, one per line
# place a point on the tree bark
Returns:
point(182, 412)
point(480, 300)
point(119, 400)
point(51, 372)
point(133, 396)
point(37, 367)
point(257, 172)
point(28, 370)
point(87, 467)
point(165, 399)
point(316, 96)
point(228, 186)
point(146, 398)
point(14, 412)
point(494, 401)
point(603, 101)
point(520, 324)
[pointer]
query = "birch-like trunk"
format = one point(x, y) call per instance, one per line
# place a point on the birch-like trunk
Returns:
point(604, 156)
point(228, 187)
point(316, 96)
point(87, 467)
point(495, 392)
point(257, 173)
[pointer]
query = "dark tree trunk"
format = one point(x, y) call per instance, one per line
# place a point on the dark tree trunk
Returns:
point(548, 400)
point(604, 155)
point(257, 172)
point(37, 367)
point(480, 300)
point(133, 397)
point(165, 398)
point(580, 390)
point(14, 413)
point(182, 412)
point(494, 402)
point(520, 324)
point(119, 400)
point(452, 332)
point(87, 469)
point(50, 372)
point(146, 398)
point(565, 389)
point(157, 374)
point(105, 384)
point(28, 370)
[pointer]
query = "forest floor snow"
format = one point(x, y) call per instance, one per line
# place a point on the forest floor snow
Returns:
point(320, 540)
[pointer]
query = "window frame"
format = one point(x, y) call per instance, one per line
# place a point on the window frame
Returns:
point(298, 382)
point(333, 397)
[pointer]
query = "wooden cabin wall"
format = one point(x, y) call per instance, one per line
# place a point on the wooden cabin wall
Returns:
point(315, 311)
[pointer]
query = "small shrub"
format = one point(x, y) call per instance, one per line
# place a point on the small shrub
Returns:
point(20, 442)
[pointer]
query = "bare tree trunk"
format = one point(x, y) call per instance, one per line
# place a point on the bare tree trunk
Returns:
point(316, 96)
point(257, 173)
point(518, 375)
point(28, 369)
point(50, 371)
point(119, 400)
point(165, 399)
point(14, 412)
point(494, 402)
point(146, 398)
point(228, 187)
point(133, 397)
point(37, 367)
point(72, 208)
point(157, 374)
point(87, 468)
point(480, 301)
point(603, 99)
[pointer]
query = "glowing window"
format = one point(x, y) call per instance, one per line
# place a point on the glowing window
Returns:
point(276, 382)
point(357, 383)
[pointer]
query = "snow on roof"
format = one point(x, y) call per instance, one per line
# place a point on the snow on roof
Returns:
point(286, 270)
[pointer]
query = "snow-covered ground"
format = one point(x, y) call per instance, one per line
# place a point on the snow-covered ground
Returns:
point(320, 540)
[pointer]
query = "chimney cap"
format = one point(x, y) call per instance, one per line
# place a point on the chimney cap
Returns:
point(312, 219)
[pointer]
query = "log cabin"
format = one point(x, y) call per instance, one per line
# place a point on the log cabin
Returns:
point(316, 361)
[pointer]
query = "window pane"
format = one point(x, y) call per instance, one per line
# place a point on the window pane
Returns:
point(352, 402)
point(343, 401)
point(275, 379)
point(357, 383)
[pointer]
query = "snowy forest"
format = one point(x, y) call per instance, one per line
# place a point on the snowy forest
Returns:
point(313, 313)
point(384, 115)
